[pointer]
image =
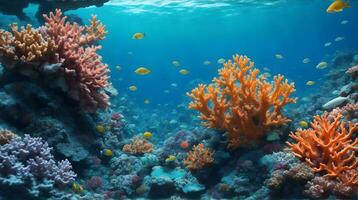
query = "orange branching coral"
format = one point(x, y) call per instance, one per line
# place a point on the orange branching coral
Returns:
point(96, 31)
point(328, 147)
point(138, 146)
point(242, 104)
point(199, 157)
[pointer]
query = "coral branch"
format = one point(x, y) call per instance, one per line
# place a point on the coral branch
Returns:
point(199, 157)
point(240, 103)
point(328, 147)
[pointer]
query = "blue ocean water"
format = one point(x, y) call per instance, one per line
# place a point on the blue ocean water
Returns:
point(193, 32)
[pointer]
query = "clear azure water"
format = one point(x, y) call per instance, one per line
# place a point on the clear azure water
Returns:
point(192, 31)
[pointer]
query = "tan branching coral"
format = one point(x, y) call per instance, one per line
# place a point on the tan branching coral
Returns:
point(328, 147)
point(199, 157)
point(6, 136)
point(26, 44)
point(30, 45)
point(138, 146)
point(242, 104)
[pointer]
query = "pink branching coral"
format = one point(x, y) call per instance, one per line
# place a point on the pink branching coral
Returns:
point(64, 49)
point(83, 68)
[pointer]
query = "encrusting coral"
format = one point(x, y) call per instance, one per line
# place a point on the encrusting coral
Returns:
point(6, 136)
point(242, 104)
point(65, 49)
point(328, 147)
point(138, 146)
point(199, 157)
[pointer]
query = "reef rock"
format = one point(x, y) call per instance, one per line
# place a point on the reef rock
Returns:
point(164, 181)
point(45, 6)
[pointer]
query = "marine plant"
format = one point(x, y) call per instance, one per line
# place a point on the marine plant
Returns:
point(63, 52)
point(242, 104)
point(198, 157)
point(329, 148)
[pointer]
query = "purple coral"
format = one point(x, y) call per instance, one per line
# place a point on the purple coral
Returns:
point(29, 158)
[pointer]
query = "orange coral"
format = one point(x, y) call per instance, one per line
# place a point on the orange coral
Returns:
point(328, 147)
point(242, 104)
point(198, 157)
point(138, 146)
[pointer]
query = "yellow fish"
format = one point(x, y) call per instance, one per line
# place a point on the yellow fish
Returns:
point(337, 6)
point(132, 88)
point(100, 128)
point(310, 83)
point(170, 158)
point(146, 101)
point(147, 134)
point(183, 71)
point(142, 71)
point(77, 188)
point(221, 60)
point(279, 56)
point(206, 62)
point(176, 63)
point(303, 124)
point(322, 65)
point(138, 36)
point(107, 152)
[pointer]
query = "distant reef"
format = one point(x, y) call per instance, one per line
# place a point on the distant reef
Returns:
point(45, 6)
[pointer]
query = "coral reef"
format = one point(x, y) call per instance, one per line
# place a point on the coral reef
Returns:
point(241, 103)
point(199, 157)
point(138, 146)
point(328, 147)
point(62, 52)
point(28, 162)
